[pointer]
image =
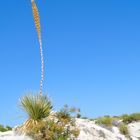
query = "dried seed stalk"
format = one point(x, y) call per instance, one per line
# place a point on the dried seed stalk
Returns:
point(38, 28)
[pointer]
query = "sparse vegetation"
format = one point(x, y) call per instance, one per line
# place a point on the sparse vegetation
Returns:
point(43, 124)
point(123, 129)
point(130, 118)
point(108, 121)
point(84, 117)
point(53, 130)
point(66, 112)
point(4, 129)
point(104, 121)
point(78, 115)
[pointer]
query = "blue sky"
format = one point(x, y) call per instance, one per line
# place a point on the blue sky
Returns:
point(92, 55)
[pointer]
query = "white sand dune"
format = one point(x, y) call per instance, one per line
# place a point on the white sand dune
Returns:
point(10, 135)
point(89, 131)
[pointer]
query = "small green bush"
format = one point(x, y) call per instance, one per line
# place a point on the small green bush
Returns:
point(106, 121)
point(130, 118)
point(85, 118)
point(78, 115)
point(8, 128)
point(64, 112)
point(123, 129)
point(67, 111)
point(126, 118)
point(4, 129)
point(135, 116)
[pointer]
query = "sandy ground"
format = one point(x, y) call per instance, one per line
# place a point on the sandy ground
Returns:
point(89, 131)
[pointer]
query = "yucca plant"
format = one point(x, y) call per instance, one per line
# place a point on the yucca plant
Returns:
point(37, 107)
point(38, 28)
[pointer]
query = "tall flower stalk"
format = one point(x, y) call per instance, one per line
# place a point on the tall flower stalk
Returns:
point(38, 28)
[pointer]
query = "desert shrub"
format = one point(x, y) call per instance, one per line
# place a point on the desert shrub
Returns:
point(68, 112)
point(85, 118)
point(135, 116)
point(130, 118)
point(55, 126)
point(62, 131)
point(126, 118)
point(92, 119)
point(58, 127)
point(78, 115)
point(123, 129)
point(104, 121)
point(4, 129)
point(8, 128)
point(64, 113)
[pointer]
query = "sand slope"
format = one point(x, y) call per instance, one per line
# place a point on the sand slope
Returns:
point(89, 131)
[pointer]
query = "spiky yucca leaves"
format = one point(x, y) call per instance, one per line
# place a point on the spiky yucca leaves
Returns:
point(54, 127)
point(36, 106)
point(38, 28)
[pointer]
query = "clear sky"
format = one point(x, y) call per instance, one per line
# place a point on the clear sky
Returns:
point(91, 49)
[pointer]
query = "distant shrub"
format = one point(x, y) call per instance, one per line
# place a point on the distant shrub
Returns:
point(123, 129)
point(126, 118)
point(78, 115)
point(4, 129)
point(105, 121)
point(84, 117)
point(64, 113)
point(8, 128)
point(130, 118)
point(92, 119)
point(135, 116)
point(67, 112)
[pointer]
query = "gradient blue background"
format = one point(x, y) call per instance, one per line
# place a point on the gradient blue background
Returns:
point(91, 49)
